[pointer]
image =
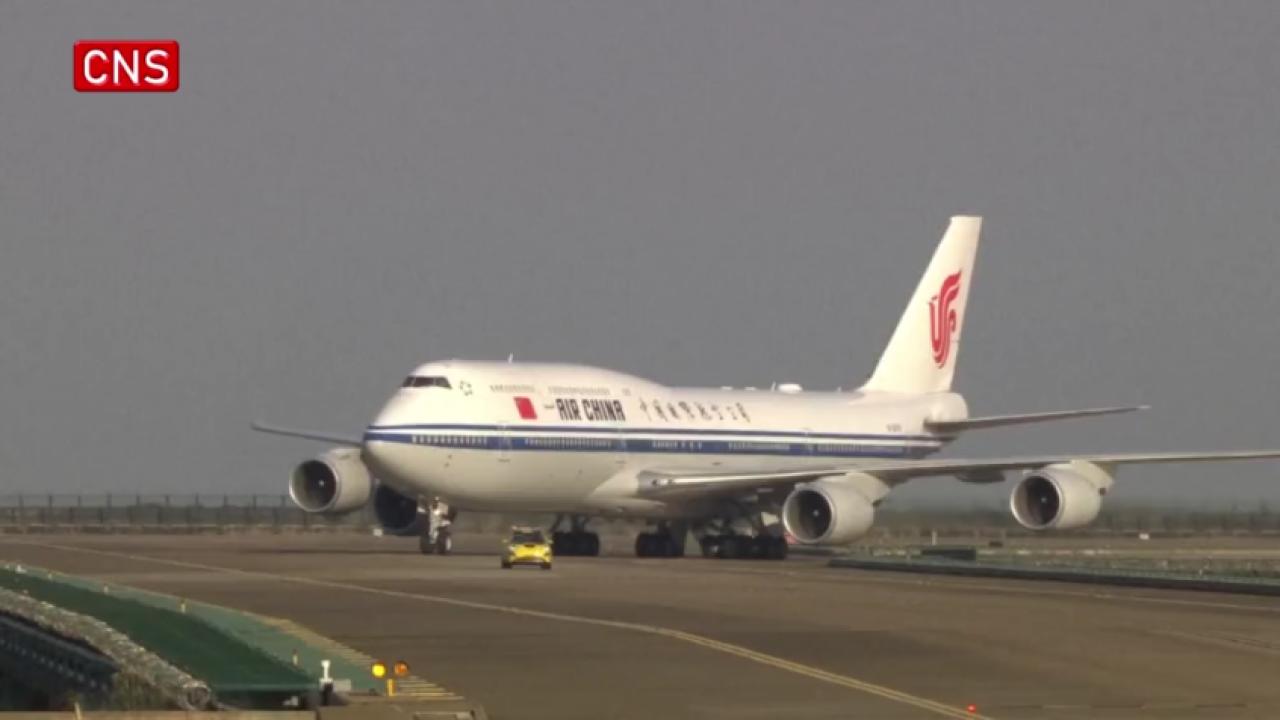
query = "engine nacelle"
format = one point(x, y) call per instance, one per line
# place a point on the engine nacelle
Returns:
point(1061, 496)
point(335, 482)
point(827, 512)
point(397, 513)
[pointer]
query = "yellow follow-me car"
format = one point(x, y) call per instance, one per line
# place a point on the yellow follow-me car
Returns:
point(527, 546)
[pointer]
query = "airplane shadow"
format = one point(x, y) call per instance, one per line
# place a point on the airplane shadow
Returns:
point(356, 551)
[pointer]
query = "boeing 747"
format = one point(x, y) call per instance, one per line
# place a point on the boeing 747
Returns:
point(740, 469)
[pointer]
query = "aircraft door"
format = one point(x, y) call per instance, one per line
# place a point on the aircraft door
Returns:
point(619, 440)
point(504, 443)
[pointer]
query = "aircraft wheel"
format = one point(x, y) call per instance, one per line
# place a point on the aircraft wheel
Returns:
point(592, 544)
point(777, 548)
point(759, 547)
point(444, 542)
point(425, 545)
point(710, 546)
point(643, 545)
point(731, 548)
point(666, 545)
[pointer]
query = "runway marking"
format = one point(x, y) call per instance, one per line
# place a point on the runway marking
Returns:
point(773, 661)
point(874, 576)
point(1231, 641)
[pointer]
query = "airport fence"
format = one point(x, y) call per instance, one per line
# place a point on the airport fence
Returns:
point(998, 523)
point(21, 512)
point(201, 512)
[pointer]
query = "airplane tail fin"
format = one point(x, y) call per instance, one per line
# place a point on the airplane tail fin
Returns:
point(921, 355)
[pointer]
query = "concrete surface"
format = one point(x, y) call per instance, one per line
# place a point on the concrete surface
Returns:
point(693, 638)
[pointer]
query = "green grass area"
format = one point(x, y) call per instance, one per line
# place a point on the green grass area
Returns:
point(228, 665)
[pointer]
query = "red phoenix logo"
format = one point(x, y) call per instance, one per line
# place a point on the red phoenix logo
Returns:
point(942, 318)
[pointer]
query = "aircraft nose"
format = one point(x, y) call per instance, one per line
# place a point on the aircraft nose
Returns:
point(393, 413)
point(380, 436)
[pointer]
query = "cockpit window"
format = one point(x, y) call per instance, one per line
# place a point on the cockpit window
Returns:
point(418, 381)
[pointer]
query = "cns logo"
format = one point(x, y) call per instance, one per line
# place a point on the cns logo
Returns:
point(126, 65)
point(942, 318)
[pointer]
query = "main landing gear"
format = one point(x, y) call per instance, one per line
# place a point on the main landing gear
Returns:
point(577, 541)
point(744, 547)
point(717, 539)
point(727, 539)
point(667, 540)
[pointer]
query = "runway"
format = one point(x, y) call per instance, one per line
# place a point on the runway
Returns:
point(693, 638)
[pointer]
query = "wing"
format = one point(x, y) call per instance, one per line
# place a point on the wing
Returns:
point(667, 483)
point(951, 427)
point(352, 440)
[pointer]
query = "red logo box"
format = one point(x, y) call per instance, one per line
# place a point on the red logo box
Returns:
point(126, 65)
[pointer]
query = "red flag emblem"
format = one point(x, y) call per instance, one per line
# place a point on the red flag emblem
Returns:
point(525, 407)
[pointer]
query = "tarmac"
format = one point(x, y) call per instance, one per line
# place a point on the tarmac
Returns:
point(621, 637)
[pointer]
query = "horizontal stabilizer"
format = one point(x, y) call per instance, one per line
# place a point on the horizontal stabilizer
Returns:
point(340, 439)
point(951, 427)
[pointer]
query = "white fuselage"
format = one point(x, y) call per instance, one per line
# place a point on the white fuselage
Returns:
point(569, 438)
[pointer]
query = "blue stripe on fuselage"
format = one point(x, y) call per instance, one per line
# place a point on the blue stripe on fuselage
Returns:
point(614, 430)
point(570, 439)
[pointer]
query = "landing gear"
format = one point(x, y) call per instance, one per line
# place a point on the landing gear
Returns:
point(577, 541)
point(437, 541)
point(584, 544)
point(744, 532)
point(744, 547)
point(667, 540)
point(437, 538)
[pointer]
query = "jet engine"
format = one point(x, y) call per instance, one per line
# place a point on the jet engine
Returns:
point(336, 482)
point(827, 512)
point(1061, 496)
point(397, 513)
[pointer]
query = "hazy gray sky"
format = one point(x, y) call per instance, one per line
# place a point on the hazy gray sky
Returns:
point(697, 192)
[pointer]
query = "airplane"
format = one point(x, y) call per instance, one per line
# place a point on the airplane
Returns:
point(744, 470)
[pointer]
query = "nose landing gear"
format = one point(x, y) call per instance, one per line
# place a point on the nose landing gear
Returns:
point(437, 534)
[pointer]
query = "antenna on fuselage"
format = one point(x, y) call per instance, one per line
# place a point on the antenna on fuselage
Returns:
point(511, 358)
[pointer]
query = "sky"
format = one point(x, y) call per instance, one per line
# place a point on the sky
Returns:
point(701, 193)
